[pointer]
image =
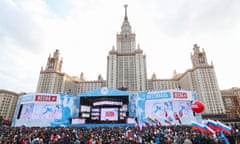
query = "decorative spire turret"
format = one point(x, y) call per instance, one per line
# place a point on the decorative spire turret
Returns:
point(125, 18)
point(126, 42)
point(126, 28)
point(54, 62)
point(198, 57)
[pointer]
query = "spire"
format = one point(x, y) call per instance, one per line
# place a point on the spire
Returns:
point(125, 18)
point(126, 28)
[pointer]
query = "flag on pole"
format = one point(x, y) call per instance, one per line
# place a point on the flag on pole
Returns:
point(158, 122)
point(213, 125)
point(151, 120)
point(219, 126)
point(167, 122)
point(226, 129)
point(147, 124)
point(202, 128)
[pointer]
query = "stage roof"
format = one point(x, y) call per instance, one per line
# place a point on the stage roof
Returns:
point(104, 91)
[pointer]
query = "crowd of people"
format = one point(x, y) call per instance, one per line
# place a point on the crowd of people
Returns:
point(113, 135)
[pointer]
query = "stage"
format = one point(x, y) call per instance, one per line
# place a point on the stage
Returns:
point(105, 107)
point(101, 125)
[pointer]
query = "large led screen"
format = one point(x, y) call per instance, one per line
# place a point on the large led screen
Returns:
point(103, 109)
point(169, 112)
point(41, 111)
point(109, 114)
point(169, 107)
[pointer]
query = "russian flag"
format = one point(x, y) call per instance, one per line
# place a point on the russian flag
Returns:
point(202, 128)
point(158, 122)
point(141, 126)
point(213, 125)
point(147, 124)
point(167, 122)
point(226, 129)
point(137, 126)
point(197, 126)
point(209, 130)
point(151, 120)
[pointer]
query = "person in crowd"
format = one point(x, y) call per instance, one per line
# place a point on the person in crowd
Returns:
point(187, 141)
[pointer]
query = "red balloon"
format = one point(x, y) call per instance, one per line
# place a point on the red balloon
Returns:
point(197, 106)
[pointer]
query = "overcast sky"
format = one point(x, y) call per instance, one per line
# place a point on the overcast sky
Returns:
point(85, 30)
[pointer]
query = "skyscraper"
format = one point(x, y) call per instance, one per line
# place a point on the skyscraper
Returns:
point(126, 70)
point(126, 67)
point(204, 82)
point(202, 79)
point(8, 102)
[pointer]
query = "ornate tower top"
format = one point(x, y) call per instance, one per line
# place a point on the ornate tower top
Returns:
point(54, 62)
point(126, 28)
point(198, 57)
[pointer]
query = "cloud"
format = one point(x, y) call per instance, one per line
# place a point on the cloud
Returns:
point(19, 24)
point(177, 18)
point(18, 67)
point(21, 39)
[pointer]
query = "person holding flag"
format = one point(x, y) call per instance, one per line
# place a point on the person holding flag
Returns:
point(213, 127)
point(223, 137)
